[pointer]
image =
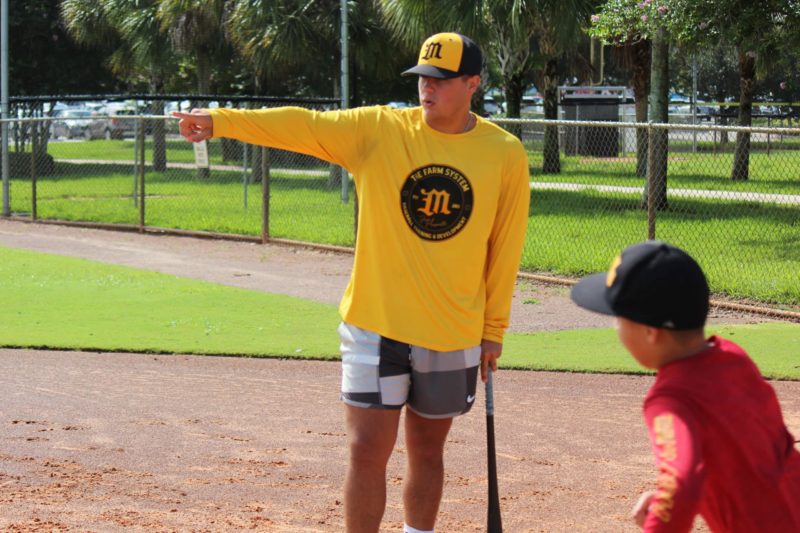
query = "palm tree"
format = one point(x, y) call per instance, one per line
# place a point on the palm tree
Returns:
point(273, 37)
point(87, 22)
point(495, 24)
point(140, 50)
point(658, 144)
point(508, 28)
point(757, 30)
point(557, 26)
point(196, 28)
point(619, 23)
point(282, 39)
point(277, 37)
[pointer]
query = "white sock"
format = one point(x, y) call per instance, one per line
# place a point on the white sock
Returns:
point(409, 529)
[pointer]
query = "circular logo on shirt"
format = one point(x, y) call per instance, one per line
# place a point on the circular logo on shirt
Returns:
point(436, 201)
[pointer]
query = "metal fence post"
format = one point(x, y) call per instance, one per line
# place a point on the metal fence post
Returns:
point(135, 190)
point(651, 173)
point(140, 139)
point(34, 150)
point(245, 157)
point(264, 195)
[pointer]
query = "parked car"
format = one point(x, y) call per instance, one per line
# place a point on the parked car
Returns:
point(705, 112)
point(73, 123)
point(121, 126)
point(81, 123)
point(493, 106)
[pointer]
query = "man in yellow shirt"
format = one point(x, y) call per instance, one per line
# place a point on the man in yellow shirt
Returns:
point(443, 208)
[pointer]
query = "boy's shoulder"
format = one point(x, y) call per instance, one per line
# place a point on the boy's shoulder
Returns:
point(701, 375)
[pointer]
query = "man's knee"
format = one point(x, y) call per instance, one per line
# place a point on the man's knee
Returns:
point(425, 439)
point(429, 455)
point(371, 435)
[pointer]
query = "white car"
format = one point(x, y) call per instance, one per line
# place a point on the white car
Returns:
point(73, 123)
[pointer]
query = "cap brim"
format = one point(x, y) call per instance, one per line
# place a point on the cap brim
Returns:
point(431, 72)
point(590, 293)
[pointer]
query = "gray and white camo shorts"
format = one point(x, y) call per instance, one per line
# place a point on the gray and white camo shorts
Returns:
point(381, 373)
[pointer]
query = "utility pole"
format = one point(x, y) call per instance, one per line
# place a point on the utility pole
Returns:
point(4, 103)
point(345, 82)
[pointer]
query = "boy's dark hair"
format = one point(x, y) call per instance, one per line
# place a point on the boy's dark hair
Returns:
point(652, 283)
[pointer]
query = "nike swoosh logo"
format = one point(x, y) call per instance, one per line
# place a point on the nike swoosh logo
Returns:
point(470, 398)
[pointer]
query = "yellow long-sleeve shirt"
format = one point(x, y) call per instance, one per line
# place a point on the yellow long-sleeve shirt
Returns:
point(441, 219)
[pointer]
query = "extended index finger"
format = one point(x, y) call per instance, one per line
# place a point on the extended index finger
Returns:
point(194, 126)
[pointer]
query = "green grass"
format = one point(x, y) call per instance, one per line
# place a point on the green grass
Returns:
point(68, 303)
point(770, 173)
point(773, 346)
point(776, 173)
point(179, 151)
point(302, 207)
point(749, 249)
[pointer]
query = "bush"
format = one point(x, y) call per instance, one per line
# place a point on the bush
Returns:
point(19, 164)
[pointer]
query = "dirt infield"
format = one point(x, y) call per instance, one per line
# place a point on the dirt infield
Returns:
point(111, 442)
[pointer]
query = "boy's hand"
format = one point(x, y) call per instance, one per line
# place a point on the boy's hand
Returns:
point(490, 351)
point(641, 508)
point(195, 126)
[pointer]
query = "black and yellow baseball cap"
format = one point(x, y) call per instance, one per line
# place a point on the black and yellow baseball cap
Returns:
point(651, 283)
point(447, 55)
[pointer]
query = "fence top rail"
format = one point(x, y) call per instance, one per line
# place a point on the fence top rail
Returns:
point(648, 125)
point(170, 98)
point(587, 123)
point(87, 119)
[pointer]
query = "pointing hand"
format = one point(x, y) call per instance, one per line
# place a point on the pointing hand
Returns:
point(195, 126)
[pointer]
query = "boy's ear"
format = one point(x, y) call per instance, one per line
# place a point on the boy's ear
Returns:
point(653, 334)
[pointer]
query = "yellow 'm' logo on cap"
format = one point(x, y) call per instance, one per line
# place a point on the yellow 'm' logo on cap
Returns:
point(612, 272)
point(442, 50)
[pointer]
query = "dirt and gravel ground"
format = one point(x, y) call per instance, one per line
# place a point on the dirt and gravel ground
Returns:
point(110, 442)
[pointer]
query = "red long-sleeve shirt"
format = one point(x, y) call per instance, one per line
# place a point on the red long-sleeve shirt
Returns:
point(721, 447)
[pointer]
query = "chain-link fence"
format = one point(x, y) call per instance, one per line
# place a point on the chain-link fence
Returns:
point(730, 196)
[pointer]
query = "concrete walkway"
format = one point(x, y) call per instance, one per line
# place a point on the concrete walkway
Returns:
point(791, 199)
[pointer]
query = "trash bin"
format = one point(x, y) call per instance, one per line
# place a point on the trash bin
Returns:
point(593, 103)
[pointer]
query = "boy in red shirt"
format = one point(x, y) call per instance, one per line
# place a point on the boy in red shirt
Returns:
point(715, 424)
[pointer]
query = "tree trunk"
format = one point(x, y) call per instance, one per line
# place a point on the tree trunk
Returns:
point(203, 76)
point(741, 155)
point(256, 166)
point(514, 89)
point(335, 172)
point(659, 112)
point(551, 163)
point(723, 119)
point(640, 80)
point(159, 135)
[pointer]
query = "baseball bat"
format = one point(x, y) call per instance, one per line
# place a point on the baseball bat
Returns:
point(494, 523)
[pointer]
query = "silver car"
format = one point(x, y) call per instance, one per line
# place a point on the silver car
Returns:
point(83, 124)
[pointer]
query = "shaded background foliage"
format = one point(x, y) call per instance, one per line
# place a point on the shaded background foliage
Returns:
point(292, 46)
point(45, 60)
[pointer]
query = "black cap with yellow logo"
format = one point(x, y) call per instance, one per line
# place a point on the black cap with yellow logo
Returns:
point(447, 55)
point(652, 283)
